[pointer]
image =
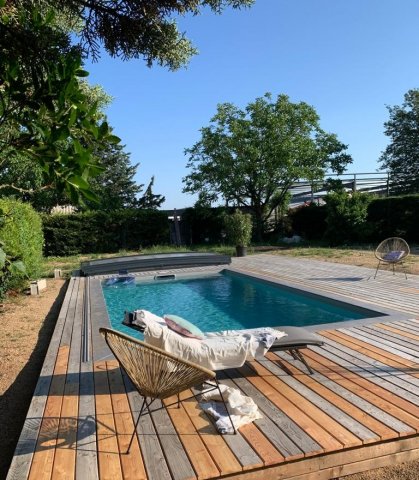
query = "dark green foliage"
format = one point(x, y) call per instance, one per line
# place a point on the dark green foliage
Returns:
point(46, 117)
point(115, 187)
point(21, 232)
point(309, 221)
point(401, 156)
point(150, 199)
point(132, 28)
point(394, 217)
point(100, 232)
point(346, 217)
point(202, 225)
point(12, 269)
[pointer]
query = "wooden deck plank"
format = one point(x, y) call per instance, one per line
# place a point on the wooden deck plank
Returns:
point(319, 435)
point(290, 440)
point(333, 427)
point(371, 351)
point(399, 333)
point(374, 394)
point(400, 329)
point(151, 450)
point(400, 397)
point(394, 338)
point(22, 459)
point(86, 455)
point(107, 444)
point(339, 397)
point(65, 455)
point(132, 464)
point(355, 394)
point(375, 368)
point(400, 351)
point(345, 419)
point(217, 447)
point(203, 464)
point(43, 459)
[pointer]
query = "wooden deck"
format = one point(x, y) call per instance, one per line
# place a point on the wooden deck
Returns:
point(360, 409)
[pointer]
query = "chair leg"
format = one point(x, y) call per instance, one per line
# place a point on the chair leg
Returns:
point(300, 357)
point(404, 269)
point(136, 424)
point(228, 413)
point(378, 266)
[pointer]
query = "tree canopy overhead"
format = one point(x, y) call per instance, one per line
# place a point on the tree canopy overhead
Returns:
point(401, 156)
point(251, 157)
point(134, 28)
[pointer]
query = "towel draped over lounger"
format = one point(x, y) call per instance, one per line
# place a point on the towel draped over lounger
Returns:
point(218, 350)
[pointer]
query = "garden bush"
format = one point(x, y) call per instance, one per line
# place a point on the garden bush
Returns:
point(309, 221)
point(100, 232)
point(202, 225)
point(21, 232)
point(347, 217)
point(394, 217)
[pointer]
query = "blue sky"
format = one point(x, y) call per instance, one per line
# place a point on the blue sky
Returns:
point(346, 58)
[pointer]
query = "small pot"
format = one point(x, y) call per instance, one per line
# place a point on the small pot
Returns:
point(241, 251)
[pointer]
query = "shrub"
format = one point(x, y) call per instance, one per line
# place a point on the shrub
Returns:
point(21, 232)
point(309, 221)
point(394, 217)
point(202, 225)
point(347, 217)
point(99, 232)
point(239, 228)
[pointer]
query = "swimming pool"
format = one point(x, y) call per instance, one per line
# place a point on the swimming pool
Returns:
point(227, 301)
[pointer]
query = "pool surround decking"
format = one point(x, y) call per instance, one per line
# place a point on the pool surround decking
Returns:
point(359, 410)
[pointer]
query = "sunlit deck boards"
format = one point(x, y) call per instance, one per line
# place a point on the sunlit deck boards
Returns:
point(358, 411)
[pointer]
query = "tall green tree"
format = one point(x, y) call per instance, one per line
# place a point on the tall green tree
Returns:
point(133, 28)
point(46, 117)
point(401, 156)
point(150, 200)
point(115, 186)
point(251, 157)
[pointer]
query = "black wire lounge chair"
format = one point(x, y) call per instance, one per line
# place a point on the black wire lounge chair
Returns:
point(392, 251)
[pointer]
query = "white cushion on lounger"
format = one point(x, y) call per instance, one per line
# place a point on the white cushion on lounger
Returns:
point(219, 350)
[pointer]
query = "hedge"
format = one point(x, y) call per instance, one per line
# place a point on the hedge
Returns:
point(201, 225)
point(309, 221)
point(100, 232)
point(386, 217)
point(22, 234)
point(394, 217)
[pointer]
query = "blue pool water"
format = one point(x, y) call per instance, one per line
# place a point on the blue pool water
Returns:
point(226, 301)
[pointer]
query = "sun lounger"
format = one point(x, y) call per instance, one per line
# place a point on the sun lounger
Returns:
point(295, 340)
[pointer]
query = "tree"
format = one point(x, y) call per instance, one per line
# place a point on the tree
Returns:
point(252, 157)
point(115, 186)
point(401, 156)
point(46, 117)
point(132, 28)
point(149, 199)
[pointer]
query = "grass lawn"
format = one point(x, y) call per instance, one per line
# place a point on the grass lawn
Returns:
point(362, 256)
